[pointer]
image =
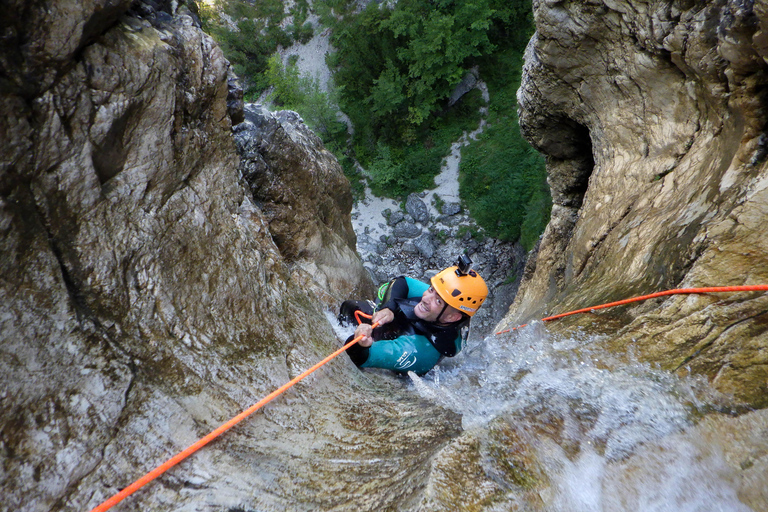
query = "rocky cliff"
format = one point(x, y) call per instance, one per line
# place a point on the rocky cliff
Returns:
point(653, 118)
point(306, 199)
point(154, 284)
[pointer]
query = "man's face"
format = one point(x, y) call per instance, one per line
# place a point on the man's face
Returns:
point(430, 306)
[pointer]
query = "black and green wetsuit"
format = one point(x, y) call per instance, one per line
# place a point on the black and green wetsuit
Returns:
point(407, 343)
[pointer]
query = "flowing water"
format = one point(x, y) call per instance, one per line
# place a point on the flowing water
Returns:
point(608, 433)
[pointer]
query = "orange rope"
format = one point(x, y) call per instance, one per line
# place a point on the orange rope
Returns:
point(679, 291)
point(162, 468)
point(359, 313)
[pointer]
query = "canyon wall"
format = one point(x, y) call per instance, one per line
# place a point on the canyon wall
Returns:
point(153, 283)
point(652, 116)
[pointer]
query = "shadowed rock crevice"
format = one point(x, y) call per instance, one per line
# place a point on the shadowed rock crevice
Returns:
point(110, 152)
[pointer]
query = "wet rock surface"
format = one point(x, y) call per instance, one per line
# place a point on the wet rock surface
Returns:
point(146, 299)
point(652, 120)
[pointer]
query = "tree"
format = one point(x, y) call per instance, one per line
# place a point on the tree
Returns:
point(403, 63)
point(437, 45)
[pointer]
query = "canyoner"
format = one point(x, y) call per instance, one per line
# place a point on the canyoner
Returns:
point(419, 323)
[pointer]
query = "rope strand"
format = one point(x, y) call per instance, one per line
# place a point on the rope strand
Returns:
point(678, 291)
point(165, 466)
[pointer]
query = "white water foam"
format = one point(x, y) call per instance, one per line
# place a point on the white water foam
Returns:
point(621, 442)
point(342, 332)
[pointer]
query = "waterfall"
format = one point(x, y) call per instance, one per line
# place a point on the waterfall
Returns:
point(608, 432)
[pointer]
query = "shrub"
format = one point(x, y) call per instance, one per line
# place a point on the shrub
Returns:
point(502, 178)
point(257, 36)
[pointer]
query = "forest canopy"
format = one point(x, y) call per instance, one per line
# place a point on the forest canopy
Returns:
point(395, 68)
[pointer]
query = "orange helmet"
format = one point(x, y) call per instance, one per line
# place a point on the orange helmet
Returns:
point(463, 291)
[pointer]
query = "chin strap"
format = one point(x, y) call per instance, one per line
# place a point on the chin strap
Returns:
point(437, 320)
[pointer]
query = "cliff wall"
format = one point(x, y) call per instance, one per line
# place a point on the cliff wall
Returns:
point(152, 285)
point(652, 115)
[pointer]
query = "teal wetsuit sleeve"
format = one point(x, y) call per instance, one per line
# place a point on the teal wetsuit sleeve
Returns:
point(403, 354)
point(401, 288)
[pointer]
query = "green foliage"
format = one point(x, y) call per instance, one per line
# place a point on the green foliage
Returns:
point(257, 35)
point(474, 233)
point(396, 67)
point(304, 95)
point(356, 179)
point(536, 215)
point(502, 179)
point(387, 173)
point(396, 172)
point(438, 202)
point(301, 33)
point(436, 41)
point(286, 82)
point(300, 30)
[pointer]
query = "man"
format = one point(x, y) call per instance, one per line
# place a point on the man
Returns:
point(419, 324)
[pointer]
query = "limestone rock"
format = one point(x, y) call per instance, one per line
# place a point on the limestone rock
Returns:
point(417, 209)
point(406, 230)
point(425, 246)
point(395, 217)
point(467, 83)
point(450, 208)
point(302, 191)
point(652, 118)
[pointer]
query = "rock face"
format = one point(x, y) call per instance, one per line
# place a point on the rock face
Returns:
point(305, 197)
point(145, 300)
point(652, 116)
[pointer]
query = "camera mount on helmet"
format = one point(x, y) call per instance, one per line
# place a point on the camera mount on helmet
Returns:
point(464, 265)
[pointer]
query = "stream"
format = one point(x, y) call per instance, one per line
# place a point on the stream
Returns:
point(607, 434)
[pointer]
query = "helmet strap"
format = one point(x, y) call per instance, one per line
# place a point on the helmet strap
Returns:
point(437, 320)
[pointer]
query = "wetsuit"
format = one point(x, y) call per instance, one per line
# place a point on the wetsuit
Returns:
point(407, 343)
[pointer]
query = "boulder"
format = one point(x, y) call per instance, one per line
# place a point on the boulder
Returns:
point(449, 208)
point(406, 230)
point(424, 245)
point(417, 208)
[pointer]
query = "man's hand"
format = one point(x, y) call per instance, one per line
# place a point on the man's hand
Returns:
point(383, 317)
point(380, 317)
point(365, 331)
